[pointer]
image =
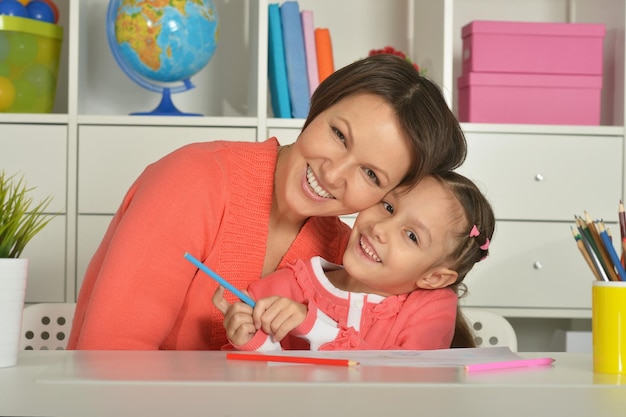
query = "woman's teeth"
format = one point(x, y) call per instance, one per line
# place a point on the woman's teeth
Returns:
point(315, 186)
point(369, 251)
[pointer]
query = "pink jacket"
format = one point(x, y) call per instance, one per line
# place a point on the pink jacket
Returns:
point(340, 320)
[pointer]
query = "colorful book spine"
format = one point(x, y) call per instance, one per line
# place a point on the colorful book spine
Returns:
point(293, 39)
point(308, 30)
point(324, 47)
point(277, 67)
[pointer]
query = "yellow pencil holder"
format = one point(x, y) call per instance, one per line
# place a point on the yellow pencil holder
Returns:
point(608, 325)
point(29, 62)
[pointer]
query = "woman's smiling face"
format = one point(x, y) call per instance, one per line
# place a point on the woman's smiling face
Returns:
point(346, 159)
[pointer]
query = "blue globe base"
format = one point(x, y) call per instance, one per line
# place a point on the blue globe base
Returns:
point(166, 107)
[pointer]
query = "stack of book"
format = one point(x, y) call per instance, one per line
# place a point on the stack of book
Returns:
point(595, 243)
point(300, 57)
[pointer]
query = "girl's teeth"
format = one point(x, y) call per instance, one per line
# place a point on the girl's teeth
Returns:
point(315, 185)
point(369, 251)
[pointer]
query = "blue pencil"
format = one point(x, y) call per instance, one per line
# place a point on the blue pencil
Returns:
point(608, 244)
point(220, 280)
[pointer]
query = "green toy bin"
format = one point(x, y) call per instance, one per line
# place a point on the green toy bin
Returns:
point(29, 62)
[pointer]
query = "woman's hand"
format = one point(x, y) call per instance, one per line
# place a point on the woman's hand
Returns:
point(277, 316)
point(238, 320)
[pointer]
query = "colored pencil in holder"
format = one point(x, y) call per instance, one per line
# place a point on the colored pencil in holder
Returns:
point(587, 243)
point(608, 244)
point(587, 253)
point(585, 233)
point(602, 251)
point(622, 220)
point(622, 231)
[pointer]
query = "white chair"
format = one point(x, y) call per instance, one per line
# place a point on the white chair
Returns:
point(490, 329)
point(46, 326)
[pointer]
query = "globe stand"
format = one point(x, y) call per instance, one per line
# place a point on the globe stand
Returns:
point(166, 107)
point(189, 39)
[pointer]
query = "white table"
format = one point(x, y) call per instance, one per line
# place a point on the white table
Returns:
point(176, 383)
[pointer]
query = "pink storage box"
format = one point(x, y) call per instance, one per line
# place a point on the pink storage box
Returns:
point(532, 47)
point(530, 98)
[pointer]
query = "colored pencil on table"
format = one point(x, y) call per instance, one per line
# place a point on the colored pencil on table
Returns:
point(220, 280)
point(595, 268)
point(602, 251)
point(608, 244)
point(521, 363)
point(259, 357)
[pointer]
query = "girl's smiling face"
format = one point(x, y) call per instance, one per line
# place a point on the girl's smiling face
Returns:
point(402, 243)
point(346, 159)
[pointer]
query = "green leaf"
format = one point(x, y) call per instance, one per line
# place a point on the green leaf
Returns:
point(20, 221)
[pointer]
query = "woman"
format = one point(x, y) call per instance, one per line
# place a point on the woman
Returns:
point(246, 209)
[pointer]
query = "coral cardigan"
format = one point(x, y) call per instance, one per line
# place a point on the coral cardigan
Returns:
point(209, 199)
point(341, 320)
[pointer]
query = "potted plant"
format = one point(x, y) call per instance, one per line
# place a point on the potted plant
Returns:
point(20, 221)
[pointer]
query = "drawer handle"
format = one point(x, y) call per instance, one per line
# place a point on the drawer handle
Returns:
point(537, 265)
point(539, 177)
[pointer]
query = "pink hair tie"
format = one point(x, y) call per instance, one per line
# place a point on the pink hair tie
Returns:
point(485, 245)
point(474, 232)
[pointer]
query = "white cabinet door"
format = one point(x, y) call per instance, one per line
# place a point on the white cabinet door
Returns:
point(532, 265)
point(46, 263)
point(547, 177)
point(285, 136)
point(39, 153)
point(112, 157)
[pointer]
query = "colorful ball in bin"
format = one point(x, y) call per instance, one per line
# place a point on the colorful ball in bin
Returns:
point(40, 77)
point(25, 96)
point(5, 70)
point(40, 10)
point(12, 8)
point(29, 59)
point(4, 46)
point(22, 48)
point(54, 8)
point(7, 94)
point(47, 51)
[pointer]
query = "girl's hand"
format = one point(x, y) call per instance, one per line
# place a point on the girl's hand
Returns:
point(238, 320)
point(277, 316)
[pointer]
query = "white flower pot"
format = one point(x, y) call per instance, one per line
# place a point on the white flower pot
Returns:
point(13, 276)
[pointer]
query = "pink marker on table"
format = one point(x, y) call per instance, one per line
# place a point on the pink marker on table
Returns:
point(522, 363)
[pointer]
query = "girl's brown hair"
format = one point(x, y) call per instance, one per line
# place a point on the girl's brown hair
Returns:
point(471, 245)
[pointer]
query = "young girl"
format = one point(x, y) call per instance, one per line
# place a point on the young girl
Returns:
point(247, 209)
point(397, 288)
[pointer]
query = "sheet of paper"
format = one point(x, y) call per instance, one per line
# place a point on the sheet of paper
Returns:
point(414, 358)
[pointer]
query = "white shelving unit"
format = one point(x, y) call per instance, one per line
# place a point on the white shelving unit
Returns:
point(89, 149)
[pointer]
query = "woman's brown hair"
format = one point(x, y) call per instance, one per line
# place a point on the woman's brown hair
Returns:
point(436, 137)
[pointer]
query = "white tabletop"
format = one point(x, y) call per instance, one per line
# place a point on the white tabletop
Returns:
point(177, 383)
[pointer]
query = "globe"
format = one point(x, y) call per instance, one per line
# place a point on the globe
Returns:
point(161, 44)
